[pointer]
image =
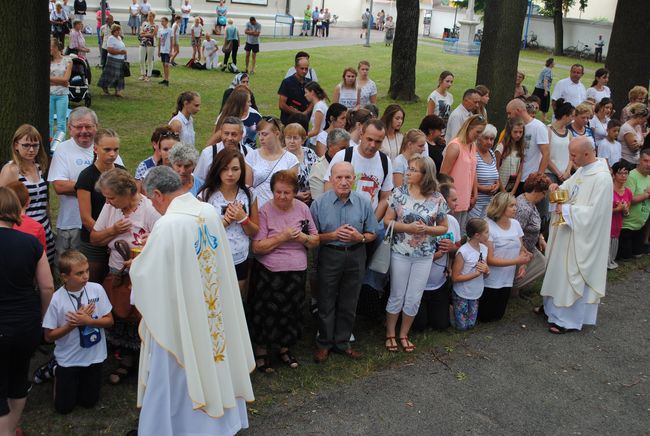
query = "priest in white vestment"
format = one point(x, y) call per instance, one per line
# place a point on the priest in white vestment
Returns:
point(196, 355)
point(576, 272)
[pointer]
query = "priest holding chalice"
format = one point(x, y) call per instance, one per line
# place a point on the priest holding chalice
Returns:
point(578, 245)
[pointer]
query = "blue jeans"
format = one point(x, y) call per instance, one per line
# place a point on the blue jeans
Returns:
point(58, 106)
point(183, 28)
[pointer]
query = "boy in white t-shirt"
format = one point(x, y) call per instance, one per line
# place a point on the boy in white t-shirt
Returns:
point(165, 36)
point(210, 52)
point(196, 34)
point(609, 147)
point(75, 319)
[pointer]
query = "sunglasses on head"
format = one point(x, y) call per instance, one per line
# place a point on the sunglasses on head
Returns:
point(169, 134)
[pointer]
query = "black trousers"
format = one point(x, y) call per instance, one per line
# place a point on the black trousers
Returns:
point(76, 385)
point(339, 274)
point(492, 304)
point(598, 54)
point(434, 310)
point(630, 243)
point(233, 53)
point(15, 354)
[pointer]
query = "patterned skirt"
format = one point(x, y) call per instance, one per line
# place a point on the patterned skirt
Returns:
point(275, 305)
point(112, 74)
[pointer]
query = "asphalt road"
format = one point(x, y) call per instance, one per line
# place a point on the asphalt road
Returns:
point(511, 377)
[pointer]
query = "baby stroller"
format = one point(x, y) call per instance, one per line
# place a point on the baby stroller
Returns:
point(389, 36)
point(79, 87)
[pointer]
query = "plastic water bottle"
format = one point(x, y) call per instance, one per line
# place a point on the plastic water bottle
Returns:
point(58, 138)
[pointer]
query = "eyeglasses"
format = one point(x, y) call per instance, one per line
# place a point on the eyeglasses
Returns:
point(169, 134)
point(28, 145)
point(274, 121)
point(83, 126)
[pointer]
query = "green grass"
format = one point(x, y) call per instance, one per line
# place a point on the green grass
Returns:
point(148, 104)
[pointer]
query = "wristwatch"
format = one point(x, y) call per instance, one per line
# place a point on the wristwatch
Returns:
point(363, 238)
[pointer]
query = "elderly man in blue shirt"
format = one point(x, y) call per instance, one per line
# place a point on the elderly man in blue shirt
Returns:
point(346, 222)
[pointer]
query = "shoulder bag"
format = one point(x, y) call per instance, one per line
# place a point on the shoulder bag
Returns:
point(380, 261)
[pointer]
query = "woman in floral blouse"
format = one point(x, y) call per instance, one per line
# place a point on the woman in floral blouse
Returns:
point(294, 138)
point(419, 214)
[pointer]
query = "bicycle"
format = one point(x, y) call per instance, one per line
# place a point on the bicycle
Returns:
point(580, 50)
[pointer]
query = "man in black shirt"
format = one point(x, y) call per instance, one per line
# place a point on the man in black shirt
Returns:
point(292, 92)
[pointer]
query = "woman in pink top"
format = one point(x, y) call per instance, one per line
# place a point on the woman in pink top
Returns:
point(277, 290)
point(620, 208)
point(77, 40)
point(126, 219)
point(460, 163)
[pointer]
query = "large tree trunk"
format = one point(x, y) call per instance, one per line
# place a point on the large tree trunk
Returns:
point(559, 28)
point(25, 71)
point(405, 48)
point(497, 63)
point(628, 57)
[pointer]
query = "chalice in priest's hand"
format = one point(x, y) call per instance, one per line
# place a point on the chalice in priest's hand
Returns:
point(135, 251)
point(559, 196)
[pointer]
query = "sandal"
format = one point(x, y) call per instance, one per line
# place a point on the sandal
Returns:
point(409, 347)
point(559, 330)
point(391, 344)
point(288, 359)
point(119, 374)
point(265, 367)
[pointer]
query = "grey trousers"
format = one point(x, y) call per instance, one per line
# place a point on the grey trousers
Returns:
point(339, 274)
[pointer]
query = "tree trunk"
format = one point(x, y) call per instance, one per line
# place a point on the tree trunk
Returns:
point(559, 28)
point(25, 73)
point(629, 50)
point(405, 48)
point(497, 63)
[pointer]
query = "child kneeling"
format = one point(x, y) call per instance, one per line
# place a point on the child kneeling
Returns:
point(467, 274)
point(75, 319)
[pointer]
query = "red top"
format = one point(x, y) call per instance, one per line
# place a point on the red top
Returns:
point(34, 228)
point(617, 217)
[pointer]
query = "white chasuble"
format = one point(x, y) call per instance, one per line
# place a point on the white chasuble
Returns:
point(577, 253)
point(185, 287)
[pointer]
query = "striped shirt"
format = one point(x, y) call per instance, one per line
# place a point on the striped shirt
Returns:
point(37, 209)
point(486, 174)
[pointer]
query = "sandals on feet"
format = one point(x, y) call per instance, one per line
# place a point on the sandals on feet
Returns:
point(559, 330)
point(288, 359)
point(119, 374)
point(265, 367)
point(391, 344)
point(409, 347)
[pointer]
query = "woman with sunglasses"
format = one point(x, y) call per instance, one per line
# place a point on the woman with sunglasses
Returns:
point(269, 158)
point(125, 221)
point(91, 201)
point(28, 165)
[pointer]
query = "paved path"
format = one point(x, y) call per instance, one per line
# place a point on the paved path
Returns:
point(516, 379)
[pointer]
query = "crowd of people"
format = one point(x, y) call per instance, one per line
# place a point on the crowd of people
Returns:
point(440, 224)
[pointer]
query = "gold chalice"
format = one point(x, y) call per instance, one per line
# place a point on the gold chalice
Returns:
point(135, 251)
point(559, 196)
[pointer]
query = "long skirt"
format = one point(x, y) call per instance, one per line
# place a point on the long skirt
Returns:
point(275, 304)
point(112, 74)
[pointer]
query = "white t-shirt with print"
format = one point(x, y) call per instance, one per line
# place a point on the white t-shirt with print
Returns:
point(264, 169)
point(443, 103)
point(165, 34)
point(68, 352)
point(507, 244)
point(237, 238)
point(368, 174)
point(535, 134)
point(437, 276)
point(68, 162)
point(471, 289)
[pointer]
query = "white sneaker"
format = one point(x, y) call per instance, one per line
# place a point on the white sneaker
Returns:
point(141, 78)
point(352, 338)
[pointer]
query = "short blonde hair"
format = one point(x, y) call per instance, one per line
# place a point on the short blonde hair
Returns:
point(70, 258)
point(638, 110)
point(412, 136)
point(498, 205)
point(295, 129)
point(636, 92)
point(584, 108)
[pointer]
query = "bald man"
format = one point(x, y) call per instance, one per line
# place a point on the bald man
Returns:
point(346, 222)
point(577, 252)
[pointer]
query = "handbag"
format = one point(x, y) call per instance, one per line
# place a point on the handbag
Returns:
point(126, 69)
point(118, 290)
point(380, 261)
point(227, 47)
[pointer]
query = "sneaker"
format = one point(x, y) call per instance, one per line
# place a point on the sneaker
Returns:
point(352, 338)
point(45, 372)
point(174, 64)
point(164, 82)
point(141, 78)
point(612, 265)
point(146, 78)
